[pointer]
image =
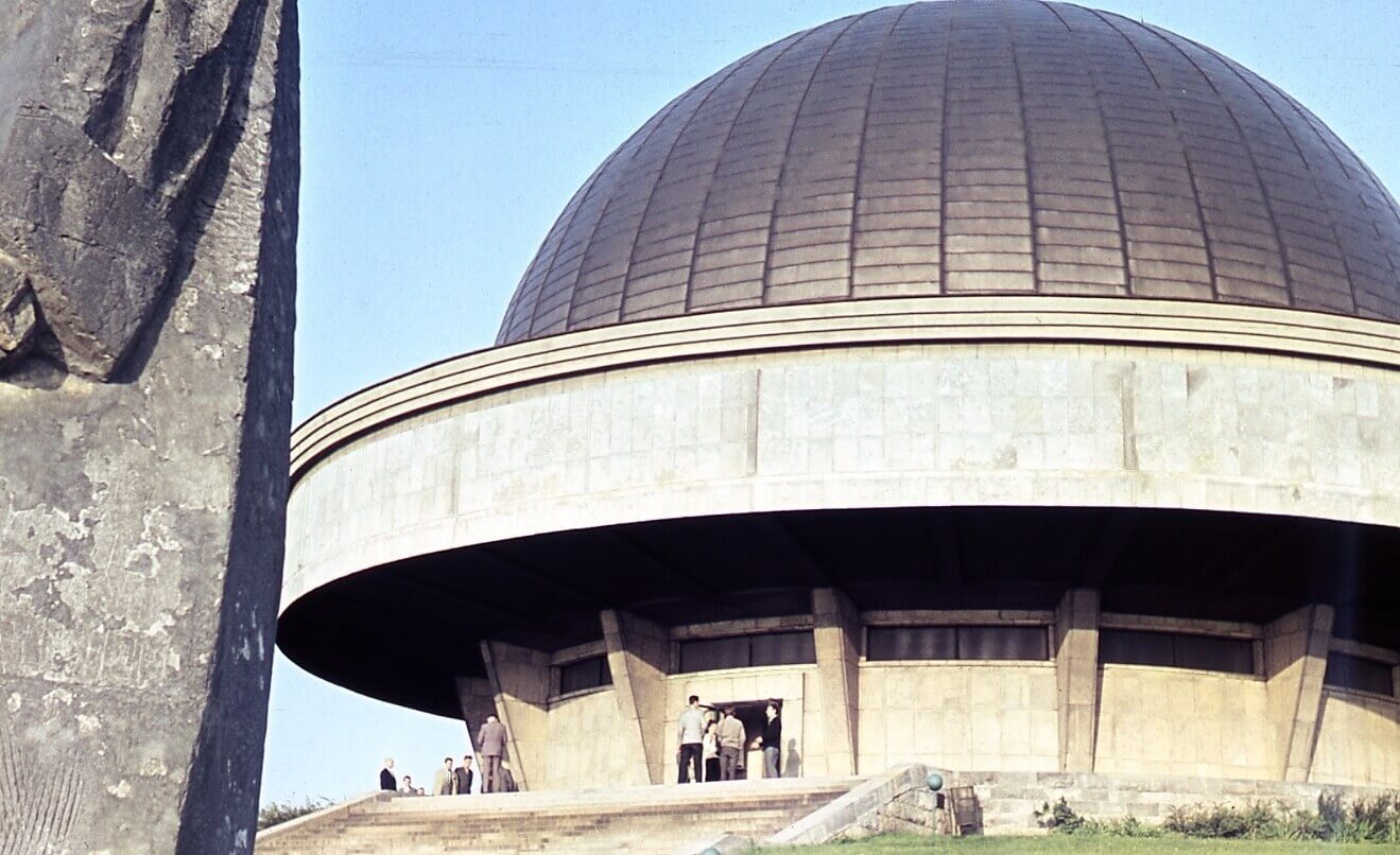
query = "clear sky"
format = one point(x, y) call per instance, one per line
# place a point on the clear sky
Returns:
point(440, 138)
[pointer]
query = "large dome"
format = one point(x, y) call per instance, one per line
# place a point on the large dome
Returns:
point(967, 147)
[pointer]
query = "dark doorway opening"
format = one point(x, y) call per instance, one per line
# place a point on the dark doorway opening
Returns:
point(752, 714)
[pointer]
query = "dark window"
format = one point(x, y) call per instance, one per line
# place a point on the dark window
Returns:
point(712, 654)
point(895, 643)
point(1176, 650)
point(774, 648)
point(898, 643)
point(584, 674)
point(1364, 675)
point(784, 648)
point(1003, 642)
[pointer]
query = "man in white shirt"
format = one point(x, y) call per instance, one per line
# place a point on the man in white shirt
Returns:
point(691, 736)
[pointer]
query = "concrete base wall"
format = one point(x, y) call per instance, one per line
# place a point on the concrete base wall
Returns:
point(590, 746)
point(1358, 740)
point(991, 715)
point(958, 715)
point(1009, 799)
point(1169, 721)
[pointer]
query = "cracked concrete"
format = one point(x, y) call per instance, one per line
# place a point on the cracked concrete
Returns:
point(148, 193)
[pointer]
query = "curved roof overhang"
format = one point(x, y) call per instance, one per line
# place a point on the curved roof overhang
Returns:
point(456, 502)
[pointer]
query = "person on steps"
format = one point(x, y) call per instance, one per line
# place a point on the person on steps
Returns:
point(491, 744)
point(463, 776)
point(710, 751)
point(772, 741)
point(691, 735)
point(731, 742)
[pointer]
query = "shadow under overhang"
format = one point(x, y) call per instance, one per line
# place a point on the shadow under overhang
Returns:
point(402, 632)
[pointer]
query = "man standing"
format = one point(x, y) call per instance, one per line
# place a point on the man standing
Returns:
point(387, 781)
point(692, 737)
point(731, 742)
point(772, 741)
point(490, 745)
point(463, 774)
point(444, 780)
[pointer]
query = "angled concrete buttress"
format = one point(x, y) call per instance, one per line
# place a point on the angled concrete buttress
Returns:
point(1295, 661)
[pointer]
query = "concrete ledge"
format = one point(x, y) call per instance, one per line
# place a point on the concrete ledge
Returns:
point(851, 809)
point(614, 798)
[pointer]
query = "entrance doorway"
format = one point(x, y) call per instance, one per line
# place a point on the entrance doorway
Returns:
point(752, 714)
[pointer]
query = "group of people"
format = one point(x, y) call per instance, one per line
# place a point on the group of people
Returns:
point(719, 746)
point(457, 780)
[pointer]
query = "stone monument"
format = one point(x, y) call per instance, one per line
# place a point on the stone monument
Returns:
point(148, 220)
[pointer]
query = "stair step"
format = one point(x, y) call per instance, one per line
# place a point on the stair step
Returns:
point(634, 820)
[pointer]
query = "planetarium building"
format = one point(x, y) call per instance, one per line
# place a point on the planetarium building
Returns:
point(1000, 385)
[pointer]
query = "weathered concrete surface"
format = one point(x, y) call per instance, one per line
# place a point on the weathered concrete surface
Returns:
point(148, 198)
point(109, 119)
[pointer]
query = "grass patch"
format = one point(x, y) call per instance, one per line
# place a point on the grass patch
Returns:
point(1092, 845)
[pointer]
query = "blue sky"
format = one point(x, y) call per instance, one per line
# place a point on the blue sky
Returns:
point(440, 138)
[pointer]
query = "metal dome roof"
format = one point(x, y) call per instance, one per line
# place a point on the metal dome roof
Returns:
point(962, 147)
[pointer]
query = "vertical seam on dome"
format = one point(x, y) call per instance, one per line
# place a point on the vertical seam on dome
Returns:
point(1249, 150)
point(1327, 136)
point(733, 69)
point(1185, 153)
point(583, 200)
point(860, 151)
point(588, 245)
point(1092, 73)
point(723, 146)
point(581, 195)
point(1026, 158)
point(1327, 210)
point(943, 153)
point(787, 154)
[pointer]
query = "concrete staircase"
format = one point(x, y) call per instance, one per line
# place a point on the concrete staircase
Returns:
point(658, 819)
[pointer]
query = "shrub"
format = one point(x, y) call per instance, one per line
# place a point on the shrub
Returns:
point(1226, 821)
point(1375, 820)
point(1060, 818)
point(276, 813)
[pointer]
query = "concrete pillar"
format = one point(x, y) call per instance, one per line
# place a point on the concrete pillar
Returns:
point(478, 700)
point(638, 655)
point(836, 630)
point(519, 680)
point(1295, 660)
point(1077, 677)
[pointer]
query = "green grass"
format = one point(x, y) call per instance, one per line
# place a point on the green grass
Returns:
point(1091, 845)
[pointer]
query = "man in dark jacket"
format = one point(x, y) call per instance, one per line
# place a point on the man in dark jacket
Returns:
point(772, 741)
point(387, 781)
point(464, 776)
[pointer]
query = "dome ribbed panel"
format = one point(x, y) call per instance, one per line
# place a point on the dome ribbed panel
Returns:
point(898, 226)
point(970, 147)
point(597, 298)
point(1078, 239)
point(660, 262)
point(736, 222)
point(809, 253)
